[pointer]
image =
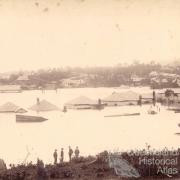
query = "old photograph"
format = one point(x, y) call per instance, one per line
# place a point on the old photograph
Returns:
point(89, 89)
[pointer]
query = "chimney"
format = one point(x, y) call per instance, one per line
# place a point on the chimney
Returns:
point(38, 101)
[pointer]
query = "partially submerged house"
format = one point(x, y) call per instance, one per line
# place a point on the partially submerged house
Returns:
point(10, 89)
point(163, 80)
point(147, 98)
point(122, 98)
point(43, 106)
point(82, 102)
point(10, 107)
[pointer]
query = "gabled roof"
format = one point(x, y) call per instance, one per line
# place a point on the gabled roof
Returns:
point(82, 100)
point(44, 106)
point(123, 96)
point(11, 107)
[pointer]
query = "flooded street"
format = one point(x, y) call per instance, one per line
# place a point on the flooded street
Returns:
point(88, 129)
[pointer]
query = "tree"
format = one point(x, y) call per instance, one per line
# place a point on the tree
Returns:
point(168, 94)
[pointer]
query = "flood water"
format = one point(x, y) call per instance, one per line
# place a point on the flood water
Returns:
point(88, 129)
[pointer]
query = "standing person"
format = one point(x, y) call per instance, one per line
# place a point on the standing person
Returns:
point(77, 152)
point(62, 155)
point(55, 156)
point(70, 153)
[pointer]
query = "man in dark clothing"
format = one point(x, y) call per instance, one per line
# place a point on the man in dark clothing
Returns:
point(70, 153)
point(55, 156)
point(77, 152)
point(62, 155)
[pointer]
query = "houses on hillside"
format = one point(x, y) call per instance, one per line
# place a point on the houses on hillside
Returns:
point(10, 89)
point(22, 79)
point(73, 82)
point(164, 80)
point(46, 80)
point(136, 80)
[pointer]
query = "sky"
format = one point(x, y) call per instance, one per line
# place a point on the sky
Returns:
point(58, 33)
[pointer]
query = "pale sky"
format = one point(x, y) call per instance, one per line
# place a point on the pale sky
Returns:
point(54, 33)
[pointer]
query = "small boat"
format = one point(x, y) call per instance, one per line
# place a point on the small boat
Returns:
point(29, 119)
point(125, 114)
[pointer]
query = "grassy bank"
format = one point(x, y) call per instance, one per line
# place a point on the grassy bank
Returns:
point(92, 168)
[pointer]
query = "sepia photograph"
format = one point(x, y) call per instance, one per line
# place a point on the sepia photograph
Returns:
point(89, 89)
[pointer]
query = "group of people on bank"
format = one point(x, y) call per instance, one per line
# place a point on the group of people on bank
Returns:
point(76, 152)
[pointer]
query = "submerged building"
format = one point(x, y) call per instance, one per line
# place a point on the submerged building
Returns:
point(10, 107)
point(43, 106)
point(121, 98)
point(81, 102)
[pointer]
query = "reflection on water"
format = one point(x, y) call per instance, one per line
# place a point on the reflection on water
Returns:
point(88, 129)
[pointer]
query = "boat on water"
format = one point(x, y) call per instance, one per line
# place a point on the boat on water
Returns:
point(29, 119)
point(125, 114)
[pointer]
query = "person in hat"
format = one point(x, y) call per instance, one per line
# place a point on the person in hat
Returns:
point(55, 155)
point(77, 152)
point(62, 155)
point(70, 153)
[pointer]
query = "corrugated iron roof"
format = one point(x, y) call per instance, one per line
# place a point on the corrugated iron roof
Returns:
point(44, 106)
point(123, 96)
point(82, 100)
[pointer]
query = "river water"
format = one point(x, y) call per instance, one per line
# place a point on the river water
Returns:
point(88, 129)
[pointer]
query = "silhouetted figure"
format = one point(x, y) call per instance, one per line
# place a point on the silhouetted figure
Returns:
point(55, 155)
point(70, 153)
point(62, 155)
point(77, 152)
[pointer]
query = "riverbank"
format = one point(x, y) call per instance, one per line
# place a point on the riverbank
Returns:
point(98, 167)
